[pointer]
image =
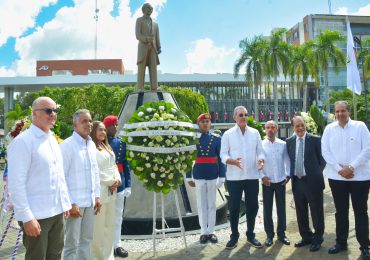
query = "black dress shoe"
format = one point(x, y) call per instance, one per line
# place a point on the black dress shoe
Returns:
point(284, 240)
point(254, 242)
point(336, 249)
point(269, 242)
point(315, 247)
point(120, 252)
point(232, 243)
point(213, 238)
point(365, 254)
point(203, 239)
point(302, 242)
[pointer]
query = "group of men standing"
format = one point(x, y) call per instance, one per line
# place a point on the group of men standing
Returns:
point(48, 181)
point(344, 150)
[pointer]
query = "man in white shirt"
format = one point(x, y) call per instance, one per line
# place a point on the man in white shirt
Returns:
point(37, 185)
point(276, 173)
point(241, 151)
point(346, 149)
point(83, 182)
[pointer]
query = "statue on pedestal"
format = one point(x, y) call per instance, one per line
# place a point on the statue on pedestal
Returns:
point(147, 33)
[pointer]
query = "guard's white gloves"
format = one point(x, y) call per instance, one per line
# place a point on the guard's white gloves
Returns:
point(220, 182)
point(127, 192)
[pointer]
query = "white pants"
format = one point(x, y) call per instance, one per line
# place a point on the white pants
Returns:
point(206, 204)
point(120, 205)
point(78, 235)
point(102, 244)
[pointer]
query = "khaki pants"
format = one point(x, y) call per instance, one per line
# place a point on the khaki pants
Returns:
point(49, 244)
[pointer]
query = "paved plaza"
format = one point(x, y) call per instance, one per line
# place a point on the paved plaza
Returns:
point(243, 250)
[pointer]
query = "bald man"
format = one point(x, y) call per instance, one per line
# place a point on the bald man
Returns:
point(37, 185)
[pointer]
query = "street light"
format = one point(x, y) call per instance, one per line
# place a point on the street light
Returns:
point(359, 42)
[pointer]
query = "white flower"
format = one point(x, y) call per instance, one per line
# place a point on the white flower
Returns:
point(147, 165)
point(173, 111)
point(140, 114)
point(147, 158)
point(149, 109)
point(130, 139)
point(163, 175)
point(162, 169)
point(145, 181)
point(159, 183)
point(155, 168)
point(145, 140)
point(161, 108)
point(146, 117)
point(159, 138)
point(132, 155)
point(152, 175)
point(174, 138)
point(184, 166)
point(150, 144)
point(140, 169)
point(168, 142)
point(170, 176)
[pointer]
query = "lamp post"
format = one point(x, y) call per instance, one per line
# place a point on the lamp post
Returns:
point(359, 42)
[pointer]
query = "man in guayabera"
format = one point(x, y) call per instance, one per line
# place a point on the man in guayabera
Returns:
point(147, 33)
point(123, 191)
point(207, 176)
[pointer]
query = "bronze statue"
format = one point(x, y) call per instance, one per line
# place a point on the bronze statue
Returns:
point(147, 33)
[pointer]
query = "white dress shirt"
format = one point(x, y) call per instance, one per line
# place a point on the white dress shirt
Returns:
point(296, 152)
point(37, 185)
point(346, 146)
point(248, 147)
point(108, 173)
point(277, 163)
point(81, 170)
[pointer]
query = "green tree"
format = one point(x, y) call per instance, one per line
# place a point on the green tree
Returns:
point(17, 114)
point(252, 57)
point(300, 67)
point(325, 52)
point(364, 55)
point(276, 60)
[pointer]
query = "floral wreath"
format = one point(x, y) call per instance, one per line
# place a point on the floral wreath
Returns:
point(161, 145)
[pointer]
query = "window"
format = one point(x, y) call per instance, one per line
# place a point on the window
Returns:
point(295, 35)
point(61, 72)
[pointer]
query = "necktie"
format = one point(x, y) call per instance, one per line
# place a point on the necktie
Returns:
point(299, 166)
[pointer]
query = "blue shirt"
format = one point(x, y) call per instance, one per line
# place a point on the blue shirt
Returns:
point(209, 146)
point(119, 148)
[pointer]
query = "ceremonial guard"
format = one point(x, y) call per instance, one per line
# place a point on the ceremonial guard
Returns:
point(207, 176)
point(119, 148)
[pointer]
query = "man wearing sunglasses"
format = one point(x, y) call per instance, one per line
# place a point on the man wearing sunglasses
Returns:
point(209, 175)
point(241, 151)
point(37, 185)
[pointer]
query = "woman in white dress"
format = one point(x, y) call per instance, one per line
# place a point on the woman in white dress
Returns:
point(102, 244)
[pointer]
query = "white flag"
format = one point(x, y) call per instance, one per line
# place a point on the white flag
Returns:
point(353, 75)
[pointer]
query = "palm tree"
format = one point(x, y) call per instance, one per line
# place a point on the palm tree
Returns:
point(252, 57)
point(325, 51)
point(276, 60)
point(16, 114)
point(365, 57)
point(300, 67)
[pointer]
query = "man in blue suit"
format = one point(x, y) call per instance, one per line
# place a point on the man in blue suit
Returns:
point(119, 148)
point(207, 176)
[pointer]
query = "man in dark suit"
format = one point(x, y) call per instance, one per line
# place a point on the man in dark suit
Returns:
point(307, 164)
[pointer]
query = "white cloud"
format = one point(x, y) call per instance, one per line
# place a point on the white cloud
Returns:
point(205, 57)
point(4, 72)
point(70, 35)
point(365, 11)
point(18, 15)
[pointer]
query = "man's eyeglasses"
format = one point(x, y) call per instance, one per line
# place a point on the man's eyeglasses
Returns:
point(48, 110)
point(271, 127)
point(242, 115)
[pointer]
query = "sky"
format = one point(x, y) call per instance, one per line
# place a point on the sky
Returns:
point(197, 36)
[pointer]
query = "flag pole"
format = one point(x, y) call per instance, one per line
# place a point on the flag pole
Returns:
point(354, 106)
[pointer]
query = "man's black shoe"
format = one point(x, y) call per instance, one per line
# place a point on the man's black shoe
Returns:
point(119, 251)
point(269, 242)
point(254, 242)
point(203, 239)
point(365, 254)
point(302, 242)
point(284, 240)
point(336, 249)
point(213, 238)
point(315, 247)
point(231, 244)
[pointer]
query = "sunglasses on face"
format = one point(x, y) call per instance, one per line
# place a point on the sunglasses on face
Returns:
point(48, 111)
point(243, 115)
point(270, 127)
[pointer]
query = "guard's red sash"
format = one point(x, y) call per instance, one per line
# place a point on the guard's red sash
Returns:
point(120, 167)
point(209, 160)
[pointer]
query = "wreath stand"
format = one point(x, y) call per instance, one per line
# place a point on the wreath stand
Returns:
point(165, 228)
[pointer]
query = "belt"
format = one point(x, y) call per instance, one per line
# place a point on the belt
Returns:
point(120, 167)
point(210, 160)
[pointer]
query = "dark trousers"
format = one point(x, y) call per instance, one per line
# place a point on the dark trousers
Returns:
point(49, 244)
point(305, 197)
point(236, 189)
point(268, 200)
point(359, 192)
